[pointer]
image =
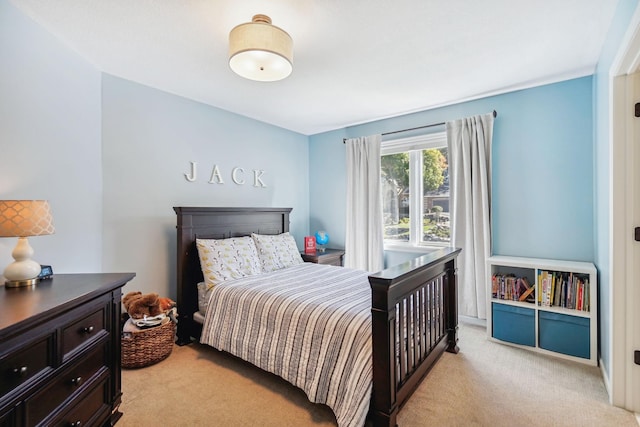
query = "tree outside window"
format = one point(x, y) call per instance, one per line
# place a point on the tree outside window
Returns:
point(428, 170)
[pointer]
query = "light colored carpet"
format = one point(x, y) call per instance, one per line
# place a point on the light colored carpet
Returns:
point(486, 384)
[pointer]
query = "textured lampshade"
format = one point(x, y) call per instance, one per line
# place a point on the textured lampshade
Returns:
point(260, 51)
point(21, 219)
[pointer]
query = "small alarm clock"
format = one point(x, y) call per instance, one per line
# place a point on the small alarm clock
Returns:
point(46, 272)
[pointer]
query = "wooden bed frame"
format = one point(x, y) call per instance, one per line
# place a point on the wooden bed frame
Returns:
point(404, 347)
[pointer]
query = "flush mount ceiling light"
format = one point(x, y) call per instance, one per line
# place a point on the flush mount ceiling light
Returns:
point(260, 51)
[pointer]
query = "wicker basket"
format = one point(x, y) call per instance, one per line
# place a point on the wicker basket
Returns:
point(148, 346)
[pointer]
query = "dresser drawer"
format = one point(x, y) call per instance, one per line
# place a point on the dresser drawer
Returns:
point(334, 261)
point(24, 363)
point(8, 419)
point(69, 381)
point(81, 332)
point(92, 408)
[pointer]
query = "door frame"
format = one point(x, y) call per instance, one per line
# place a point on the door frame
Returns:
point(622, 193)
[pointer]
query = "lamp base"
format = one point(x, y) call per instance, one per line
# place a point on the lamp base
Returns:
point(21, 283)
point(23, 271)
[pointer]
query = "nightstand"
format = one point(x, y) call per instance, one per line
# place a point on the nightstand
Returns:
point(329, 257)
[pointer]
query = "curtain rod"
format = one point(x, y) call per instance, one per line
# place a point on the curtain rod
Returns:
point(495, 114)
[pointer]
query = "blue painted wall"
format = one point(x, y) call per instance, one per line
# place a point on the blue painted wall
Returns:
point(619, 27)
point(50, 141)
point(542, 169)
point(149, 138)
point(327, 180)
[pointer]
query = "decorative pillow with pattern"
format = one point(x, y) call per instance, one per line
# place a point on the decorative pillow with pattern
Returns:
point(226, 259)
point(277, 251)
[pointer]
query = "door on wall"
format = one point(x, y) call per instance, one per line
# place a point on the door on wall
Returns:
point(633, 311)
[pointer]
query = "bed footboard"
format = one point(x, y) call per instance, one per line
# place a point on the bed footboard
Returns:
point(414, 320)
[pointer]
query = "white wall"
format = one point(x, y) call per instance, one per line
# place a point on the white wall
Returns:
point(50, 141)
point(149, 139)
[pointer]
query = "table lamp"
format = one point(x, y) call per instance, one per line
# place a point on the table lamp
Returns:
point(21, 219)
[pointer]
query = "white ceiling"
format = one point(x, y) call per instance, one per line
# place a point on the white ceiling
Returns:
point(354, 60)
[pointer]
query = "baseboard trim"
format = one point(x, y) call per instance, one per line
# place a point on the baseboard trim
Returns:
point(473, 321)
point(607, 383)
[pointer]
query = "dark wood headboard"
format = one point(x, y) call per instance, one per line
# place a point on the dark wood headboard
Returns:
point(213, 223)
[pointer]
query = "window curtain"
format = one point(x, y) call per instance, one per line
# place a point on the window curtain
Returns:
point(469, 144)
point(364, 240)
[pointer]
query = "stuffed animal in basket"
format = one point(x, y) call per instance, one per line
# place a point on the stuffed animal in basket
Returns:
point(140, 305)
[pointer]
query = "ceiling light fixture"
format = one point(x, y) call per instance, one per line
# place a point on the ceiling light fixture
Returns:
point(260, 51)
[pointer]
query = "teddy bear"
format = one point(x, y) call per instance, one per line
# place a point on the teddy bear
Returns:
point(139, 305)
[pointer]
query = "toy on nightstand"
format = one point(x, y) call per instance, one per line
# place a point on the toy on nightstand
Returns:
point(309, 245)
point(322, 238)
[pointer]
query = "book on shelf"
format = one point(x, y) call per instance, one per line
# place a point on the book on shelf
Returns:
point(527, 293)
point(557, 291)
point(579, 304)
point(543, 282)
point(494, 286)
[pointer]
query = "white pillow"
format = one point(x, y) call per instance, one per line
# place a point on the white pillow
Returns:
point(225, 259)
point(277, 251)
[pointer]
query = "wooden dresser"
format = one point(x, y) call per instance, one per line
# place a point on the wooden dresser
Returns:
point(60, 351)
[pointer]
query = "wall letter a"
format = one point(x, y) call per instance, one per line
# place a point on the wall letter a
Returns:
point(216, 178)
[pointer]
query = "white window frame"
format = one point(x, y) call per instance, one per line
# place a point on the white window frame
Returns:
point(414, 145)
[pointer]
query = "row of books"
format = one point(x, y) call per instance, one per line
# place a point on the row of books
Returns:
point(560, 289)
point(512, 288)
point(556, 289)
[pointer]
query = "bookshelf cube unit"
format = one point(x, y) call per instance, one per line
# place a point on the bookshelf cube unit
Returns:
point(543, 305)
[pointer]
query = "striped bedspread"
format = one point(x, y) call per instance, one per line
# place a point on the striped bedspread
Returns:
point(309, 324)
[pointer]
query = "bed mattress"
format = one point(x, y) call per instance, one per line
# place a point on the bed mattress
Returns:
point(309, 324)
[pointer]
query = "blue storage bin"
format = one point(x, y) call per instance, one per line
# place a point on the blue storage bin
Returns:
point(513, 324)
point(564, 334)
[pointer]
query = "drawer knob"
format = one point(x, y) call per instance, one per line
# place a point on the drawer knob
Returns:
point(21, 371)
point(76, 381)
point(75, 424)
point(87, 330)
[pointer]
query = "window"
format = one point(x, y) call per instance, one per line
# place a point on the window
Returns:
point(415, 190)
